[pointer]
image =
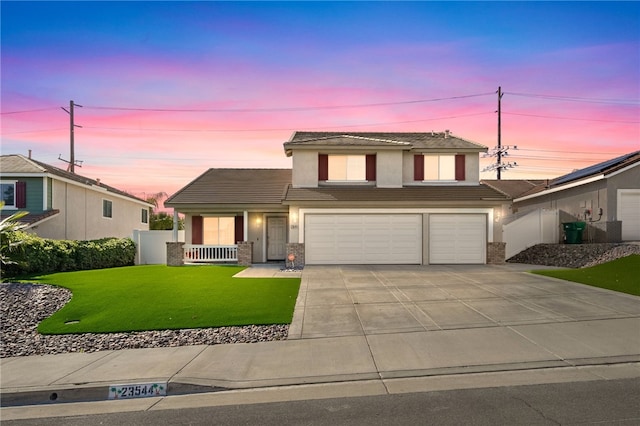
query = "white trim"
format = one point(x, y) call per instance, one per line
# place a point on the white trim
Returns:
point(10, 182)
point(561, 188)
point(452, 210)
point(45, 187)
point(245, 226)
point(624, 169)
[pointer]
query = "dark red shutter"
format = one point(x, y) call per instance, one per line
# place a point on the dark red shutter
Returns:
point(323, 167)
point(21, 195)
point(239, 233)
point(460, 167)
point(371, 168)
point(418, 167)
point(196, 230)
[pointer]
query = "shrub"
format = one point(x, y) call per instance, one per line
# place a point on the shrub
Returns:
point(41, 255)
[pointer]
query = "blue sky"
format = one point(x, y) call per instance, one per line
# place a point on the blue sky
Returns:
point(142, 56)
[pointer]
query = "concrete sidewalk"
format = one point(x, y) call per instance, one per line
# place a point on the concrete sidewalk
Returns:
point(445, 322)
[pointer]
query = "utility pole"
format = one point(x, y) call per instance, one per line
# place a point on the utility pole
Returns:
point(499, 154)
point(72, 157)
point(499, 151)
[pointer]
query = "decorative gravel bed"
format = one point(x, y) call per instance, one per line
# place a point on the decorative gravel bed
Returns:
point(574, 255)
point(23, 306)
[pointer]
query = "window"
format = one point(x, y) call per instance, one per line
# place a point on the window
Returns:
point(145, 216)
point(219, 231)
point(344, 168)
point(8, 193)
point(107, 208)
point(439, 167)
point(14, 194)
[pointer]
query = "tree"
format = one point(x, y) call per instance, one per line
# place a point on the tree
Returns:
point(160, 220)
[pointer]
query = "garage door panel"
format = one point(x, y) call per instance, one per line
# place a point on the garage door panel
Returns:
point(629, 214)
point(457, 238)
point(363, 239)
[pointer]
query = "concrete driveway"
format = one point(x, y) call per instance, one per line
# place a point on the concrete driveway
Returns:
point(373, 300)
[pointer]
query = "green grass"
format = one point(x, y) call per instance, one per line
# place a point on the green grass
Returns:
point(621, 275)
point(158, 297)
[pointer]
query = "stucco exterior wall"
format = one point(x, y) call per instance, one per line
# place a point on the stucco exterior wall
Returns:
point(388, 166)
point(305, 169)
point(80, 216)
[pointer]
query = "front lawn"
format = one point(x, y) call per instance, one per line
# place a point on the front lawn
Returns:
point(621, 275)
point(159, 297)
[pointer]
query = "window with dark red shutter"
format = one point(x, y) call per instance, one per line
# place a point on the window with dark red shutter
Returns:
point(460, 166)
point(323, 167)
point(418, 167)
point(21, 195)
point(371, 167)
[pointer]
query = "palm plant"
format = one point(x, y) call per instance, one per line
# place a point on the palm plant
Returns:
point(8, 238)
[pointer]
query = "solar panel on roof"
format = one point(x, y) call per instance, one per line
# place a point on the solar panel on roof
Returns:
point(588, 171)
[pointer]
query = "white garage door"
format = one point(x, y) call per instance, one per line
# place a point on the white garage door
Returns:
point(457, 238)
point(629, 214)
point(363, 239)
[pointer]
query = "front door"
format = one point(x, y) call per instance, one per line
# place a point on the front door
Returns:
point(276, 238)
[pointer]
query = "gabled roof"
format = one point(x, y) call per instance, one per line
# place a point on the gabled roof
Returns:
point(605, 168)
point(234, 186)
point(409, 194)
point(402, 140)
point(513, 187)
point(16, 164)
point(586, 175)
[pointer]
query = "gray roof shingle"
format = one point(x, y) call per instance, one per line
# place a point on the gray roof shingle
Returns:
point(234, 186)
point(406, 194)
point(414, 140)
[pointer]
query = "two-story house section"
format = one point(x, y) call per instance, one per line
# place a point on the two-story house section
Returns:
point(354, 198)
point(67, 206)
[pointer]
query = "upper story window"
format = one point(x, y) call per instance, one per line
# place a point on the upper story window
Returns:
point(145, 216)
point(107, 208)
point(14, 194)
point(347, 168)
point(444, 167)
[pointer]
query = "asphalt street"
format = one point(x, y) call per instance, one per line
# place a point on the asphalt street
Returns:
point(603, 402)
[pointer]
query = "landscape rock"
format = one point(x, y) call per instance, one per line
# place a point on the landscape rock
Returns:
point(574, 255)
point(24, 306)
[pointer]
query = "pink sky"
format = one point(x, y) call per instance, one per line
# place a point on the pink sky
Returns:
point(229, 56)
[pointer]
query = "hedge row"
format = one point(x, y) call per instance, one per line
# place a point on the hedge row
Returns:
point(37, 255)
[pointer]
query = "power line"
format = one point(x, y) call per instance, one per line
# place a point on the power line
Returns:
point(34, 131)
point(28, 110)
point(286, 128)
point(579, 99)
point(571, 118)
point(569, 152)
point(286, 109)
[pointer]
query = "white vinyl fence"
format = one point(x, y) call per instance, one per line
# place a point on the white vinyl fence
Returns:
point(540, 226)
point(152, 246)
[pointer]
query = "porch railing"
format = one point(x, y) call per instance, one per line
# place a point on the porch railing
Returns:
point(198, 253)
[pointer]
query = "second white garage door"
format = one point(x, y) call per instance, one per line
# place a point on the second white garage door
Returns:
point(457, 238)
point(629, 213)
point(363, 239)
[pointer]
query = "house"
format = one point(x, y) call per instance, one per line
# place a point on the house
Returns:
point(605, 195)
point(350, 198)
point(64, 205)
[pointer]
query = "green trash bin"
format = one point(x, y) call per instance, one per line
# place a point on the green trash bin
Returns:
point(573, 232)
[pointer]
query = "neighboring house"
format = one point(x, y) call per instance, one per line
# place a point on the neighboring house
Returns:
point(64, 205)
point(606, 196)
point(351, 198)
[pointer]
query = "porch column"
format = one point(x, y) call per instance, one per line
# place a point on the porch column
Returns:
point(245, 224)
point(175, 226)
